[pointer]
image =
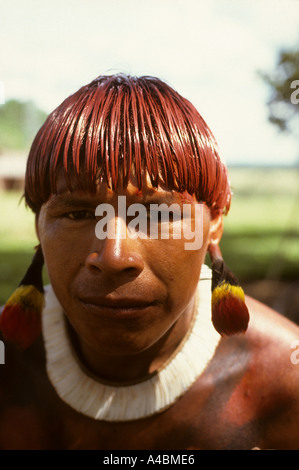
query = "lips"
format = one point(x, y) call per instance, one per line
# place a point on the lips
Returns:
point(117, 304)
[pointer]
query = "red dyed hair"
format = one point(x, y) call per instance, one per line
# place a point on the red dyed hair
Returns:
point(119, 125)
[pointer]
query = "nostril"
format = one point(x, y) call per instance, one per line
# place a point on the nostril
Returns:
point(130, 270)
point(114, 262)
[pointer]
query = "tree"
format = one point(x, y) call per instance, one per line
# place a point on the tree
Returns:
point(284, 85)
point(19, 122)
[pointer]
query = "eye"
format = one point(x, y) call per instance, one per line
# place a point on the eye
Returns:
point(80, 215)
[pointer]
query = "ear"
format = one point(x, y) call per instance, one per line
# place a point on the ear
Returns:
point(216, 228)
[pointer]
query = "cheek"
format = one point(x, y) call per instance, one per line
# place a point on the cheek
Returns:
point(176, 266)
point(64, 252)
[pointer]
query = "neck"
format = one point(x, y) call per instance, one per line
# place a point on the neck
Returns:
point(126, 368)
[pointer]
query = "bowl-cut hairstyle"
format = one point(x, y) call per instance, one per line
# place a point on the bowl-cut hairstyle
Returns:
point(118, 126)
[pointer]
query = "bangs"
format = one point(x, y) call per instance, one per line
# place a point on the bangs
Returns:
point(118, 127)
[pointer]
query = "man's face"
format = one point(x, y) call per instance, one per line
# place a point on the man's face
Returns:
point(121, 294)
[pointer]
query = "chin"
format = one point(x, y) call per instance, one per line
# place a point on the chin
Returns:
point(119, 345)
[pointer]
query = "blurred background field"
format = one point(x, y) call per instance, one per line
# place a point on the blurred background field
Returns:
point(260, 242)
point(261, 235)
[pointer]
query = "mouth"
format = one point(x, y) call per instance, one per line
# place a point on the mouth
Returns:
point(119, 306)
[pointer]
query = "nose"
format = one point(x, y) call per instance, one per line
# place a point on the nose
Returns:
point(117, 255)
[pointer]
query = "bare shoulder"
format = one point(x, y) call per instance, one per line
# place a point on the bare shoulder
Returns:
point(270, 331)
point(274, 342)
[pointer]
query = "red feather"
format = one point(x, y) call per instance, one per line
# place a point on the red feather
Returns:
point(230, 315)
point(20, 320)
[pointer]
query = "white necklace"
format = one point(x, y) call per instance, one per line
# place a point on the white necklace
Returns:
point(130, 402)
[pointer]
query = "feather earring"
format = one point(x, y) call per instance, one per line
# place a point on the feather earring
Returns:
point(229, 311)
point(20, 320)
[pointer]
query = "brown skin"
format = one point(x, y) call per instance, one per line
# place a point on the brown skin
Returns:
point(155, 278)
point(247, 397)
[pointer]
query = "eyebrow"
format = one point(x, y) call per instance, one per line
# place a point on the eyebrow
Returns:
point(168, 198)
point(70, 200)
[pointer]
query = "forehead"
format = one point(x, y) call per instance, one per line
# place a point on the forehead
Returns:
point(63, 191)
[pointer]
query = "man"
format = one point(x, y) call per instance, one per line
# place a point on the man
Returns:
point(128, 357)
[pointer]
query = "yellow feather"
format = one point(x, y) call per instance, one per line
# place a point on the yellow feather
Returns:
point(223, 289)
point(29, 297)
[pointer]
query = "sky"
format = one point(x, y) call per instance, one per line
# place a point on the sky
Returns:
point(210, 51)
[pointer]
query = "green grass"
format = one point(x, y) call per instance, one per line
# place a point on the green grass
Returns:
point(16, 224)
point(261, 231)
point(17, 236)
point(261, 235)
